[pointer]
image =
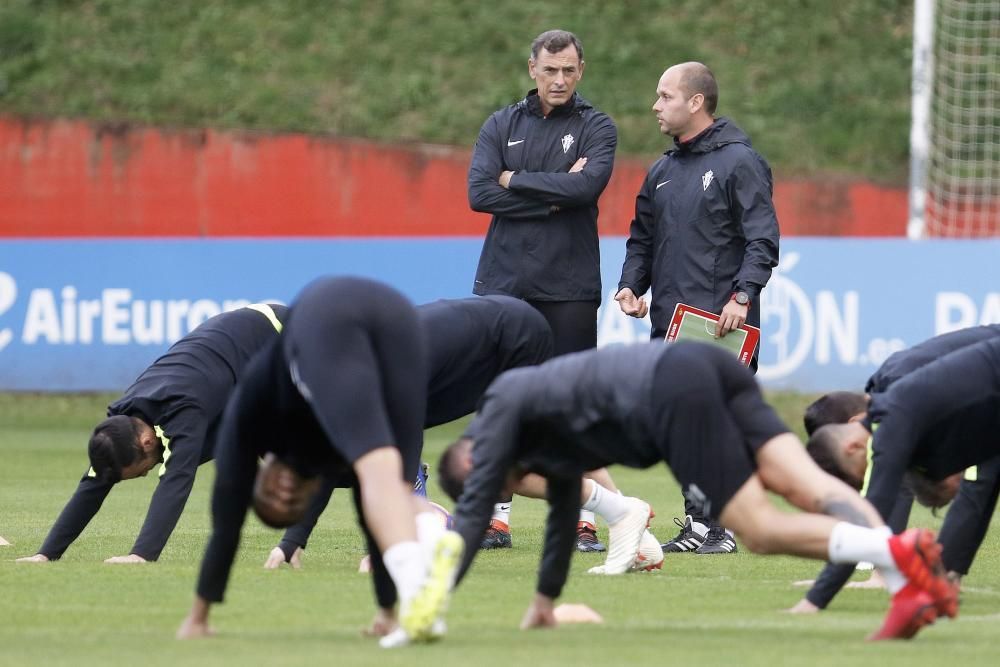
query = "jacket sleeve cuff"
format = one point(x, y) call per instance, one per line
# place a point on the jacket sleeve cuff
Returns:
point(818, 598)
point(753, 291)
point(549, 590)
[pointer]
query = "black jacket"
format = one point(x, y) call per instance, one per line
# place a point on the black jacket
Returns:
point(182, 395)
point(704, 226)
point(532, 252)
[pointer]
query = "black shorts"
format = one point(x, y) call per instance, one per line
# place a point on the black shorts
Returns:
point(355, 352)
point(711, 419)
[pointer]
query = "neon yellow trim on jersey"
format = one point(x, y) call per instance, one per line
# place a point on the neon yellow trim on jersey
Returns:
point(267, 312)
point(166, 448)
point(91, 472)
point(868, 467)
point(972, 473)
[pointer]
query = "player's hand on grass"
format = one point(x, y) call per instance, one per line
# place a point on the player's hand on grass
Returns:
point(874, 581)
point(630, 304)
point(804, 606)
point(540, 613)
point(37, 558)
point(193, 629)
point(195, 624)
point(131, 558)
point(383, 623)
point(576, 613)
point(277, 557)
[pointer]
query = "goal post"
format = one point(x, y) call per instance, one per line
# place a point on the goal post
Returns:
point(955, 120)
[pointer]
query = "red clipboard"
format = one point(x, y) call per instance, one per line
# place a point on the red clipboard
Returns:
point(690, 323)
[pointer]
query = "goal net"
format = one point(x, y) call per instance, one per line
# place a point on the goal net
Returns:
point(955, 138)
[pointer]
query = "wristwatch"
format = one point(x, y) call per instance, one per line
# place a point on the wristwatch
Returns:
point(741, 298)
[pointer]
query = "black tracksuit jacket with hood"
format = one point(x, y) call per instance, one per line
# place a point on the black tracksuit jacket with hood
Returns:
point(704, 226)
point(542, 242)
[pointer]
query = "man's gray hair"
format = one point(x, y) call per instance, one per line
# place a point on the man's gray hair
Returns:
point(555, 41)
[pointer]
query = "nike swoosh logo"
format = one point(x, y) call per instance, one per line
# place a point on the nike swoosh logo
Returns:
point(660, 185)
point(514, 143)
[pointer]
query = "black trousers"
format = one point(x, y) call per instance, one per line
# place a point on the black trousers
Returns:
point(573, 324)
point(574, 328)
point(969, 517)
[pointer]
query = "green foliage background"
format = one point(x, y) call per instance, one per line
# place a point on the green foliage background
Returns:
point(820, 86)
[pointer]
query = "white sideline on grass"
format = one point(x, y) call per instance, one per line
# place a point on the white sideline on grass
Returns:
point(3, 542)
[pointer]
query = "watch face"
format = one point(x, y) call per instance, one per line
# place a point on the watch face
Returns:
point(742, 298)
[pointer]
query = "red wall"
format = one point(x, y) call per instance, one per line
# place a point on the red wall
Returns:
point(70, 178)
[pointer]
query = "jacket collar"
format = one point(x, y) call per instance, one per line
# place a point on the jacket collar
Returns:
point(533, 104)
point(720, 133)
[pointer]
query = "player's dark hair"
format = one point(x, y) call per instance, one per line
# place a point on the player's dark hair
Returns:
point(824, 448)
point(926, 491)
point(555, 41)
point(113, 445)
point(697, 78)
point(837, 407)
point(449, 477)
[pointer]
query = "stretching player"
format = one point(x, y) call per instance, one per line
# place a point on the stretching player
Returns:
point(341, 394)
point(166, 417)
point(469, 342)
point(926, 428)
point(968, 517)
point(697, 408)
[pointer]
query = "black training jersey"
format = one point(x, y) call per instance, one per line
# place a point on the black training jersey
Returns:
point(938, 420)
point(572, 414)
point(903, 362)
point(182, 395)
point(470, 342)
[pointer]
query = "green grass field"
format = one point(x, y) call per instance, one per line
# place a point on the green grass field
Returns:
point(722, 610)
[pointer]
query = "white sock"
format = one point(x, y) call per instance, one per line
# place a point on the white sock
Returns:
point(407, 566)
point(609, 506)
point(501, 512)
point(699, 527)
point(850, 543)
point(429, 531)
point(586, 516)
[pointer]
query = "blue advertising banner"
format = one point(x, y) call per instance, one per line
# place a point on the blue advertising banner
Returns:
point(92, 314)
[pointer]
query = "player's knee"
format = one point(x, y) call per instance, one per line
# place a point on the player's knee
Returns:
point(757, 528)
point(758, 538)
